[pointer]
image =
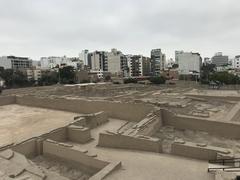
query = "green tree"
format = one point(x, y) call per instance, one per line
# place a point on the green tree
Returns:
point(206, 71)
point(14, 78)
point(49, 78)
point(225, 77)
point(67, 75)
point(130, 80)
point(158, 80)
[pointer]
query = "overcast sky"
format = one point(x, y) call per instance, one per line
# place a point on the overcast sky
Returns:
point(37, 28)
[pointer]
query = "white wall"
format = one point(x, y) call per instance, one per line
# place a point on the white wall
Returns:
point(5, 62)
point(236, 63)
point(188, 62)
point(114, 61)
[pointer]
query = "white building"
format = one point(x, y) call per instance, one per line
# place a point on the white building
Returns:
point(53, 61)
point(236, 62)
point(50, 62)
point(13, 62)
point(2, 82)
point(98, 61)
point(189, 63)
point(176, 56)
point(84, 56)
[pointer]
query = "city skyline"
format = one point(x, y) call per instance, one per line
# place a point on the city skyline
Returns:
point(55, 28)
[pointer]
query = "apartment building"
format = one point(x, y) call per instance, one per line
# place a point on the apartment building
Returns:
point(138, 65)
point(189, 63)
point(158, 61)
point(14, 62)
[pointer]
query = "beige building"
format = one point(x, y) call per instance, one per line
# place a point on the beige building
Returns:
point(98, 61)
point(34, 74)
point(138, 65)
point(117, 62)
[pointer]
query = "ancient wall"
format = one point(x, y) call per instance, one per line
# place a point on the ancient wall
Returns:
point(149, 125)
point(59, 134)
point(78, 134)
point(125, 111)
point(70, 154)
point(225, 129)
point(197, 151)
point(223, 97)
point(93, 120)
point(27, 148)
point(5, 100)
point(106, 171)
point(143, 143)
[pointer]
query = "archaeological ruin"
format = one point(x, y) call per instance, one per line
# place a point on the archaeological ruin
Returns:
point(118, 132)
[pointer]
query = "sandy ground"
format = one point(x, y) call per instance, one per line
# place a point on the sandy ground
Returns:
point(64, 169)
point(18, 123)
point(140, 165)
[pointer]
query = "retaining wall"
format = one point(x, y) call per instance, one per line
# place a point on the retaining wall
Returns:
point(192, 150)
point(130, 142)
point(6, 100)
point(225, 129)
point(78, 134)
point(74, 156)
point(119, 110)
point(94, 120)
point(27, 148)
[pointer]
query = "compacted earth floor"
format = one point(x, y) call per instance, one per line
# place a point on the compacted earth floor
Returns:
point(18, 123)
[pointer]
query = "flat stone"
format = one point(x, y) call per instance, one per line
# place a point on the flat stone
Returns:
point(7, 154)
point(201, 144)
point(51, 141)
point(65, 145)
point(179, 141)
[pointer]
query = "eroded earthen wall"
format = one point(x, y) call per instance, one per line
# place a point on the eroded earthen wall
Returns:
point(125, 111)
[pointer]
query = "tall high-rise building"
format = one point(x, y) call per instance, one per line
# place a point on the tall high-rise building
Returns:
point(84, 56)
point(117, 62)
point(98, 61)
point(138, 65)
point(189, 63)
point(158, 60)
point(176, 56)
point(219, 60)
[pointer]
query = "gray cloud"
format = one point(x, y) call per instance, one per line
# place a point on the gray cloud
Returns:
point(59, 27)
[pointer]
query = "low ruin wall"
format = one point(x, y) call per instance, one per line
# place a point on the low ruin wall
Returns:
point(119, 110)
point(27, 148)
point(223, 97)
point(225, 129)
point(78, 134)
point(6, 100)
point(202, 152)
point(106, 171)
point(92, 120)
point(129, 142)
point(69, 154)
point(59, 134)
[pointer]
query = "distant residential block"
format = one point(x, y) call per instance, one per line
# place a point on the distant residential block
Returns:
point(158, 61)
point(219, 60)
point(138, 65)
point(14, 62)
